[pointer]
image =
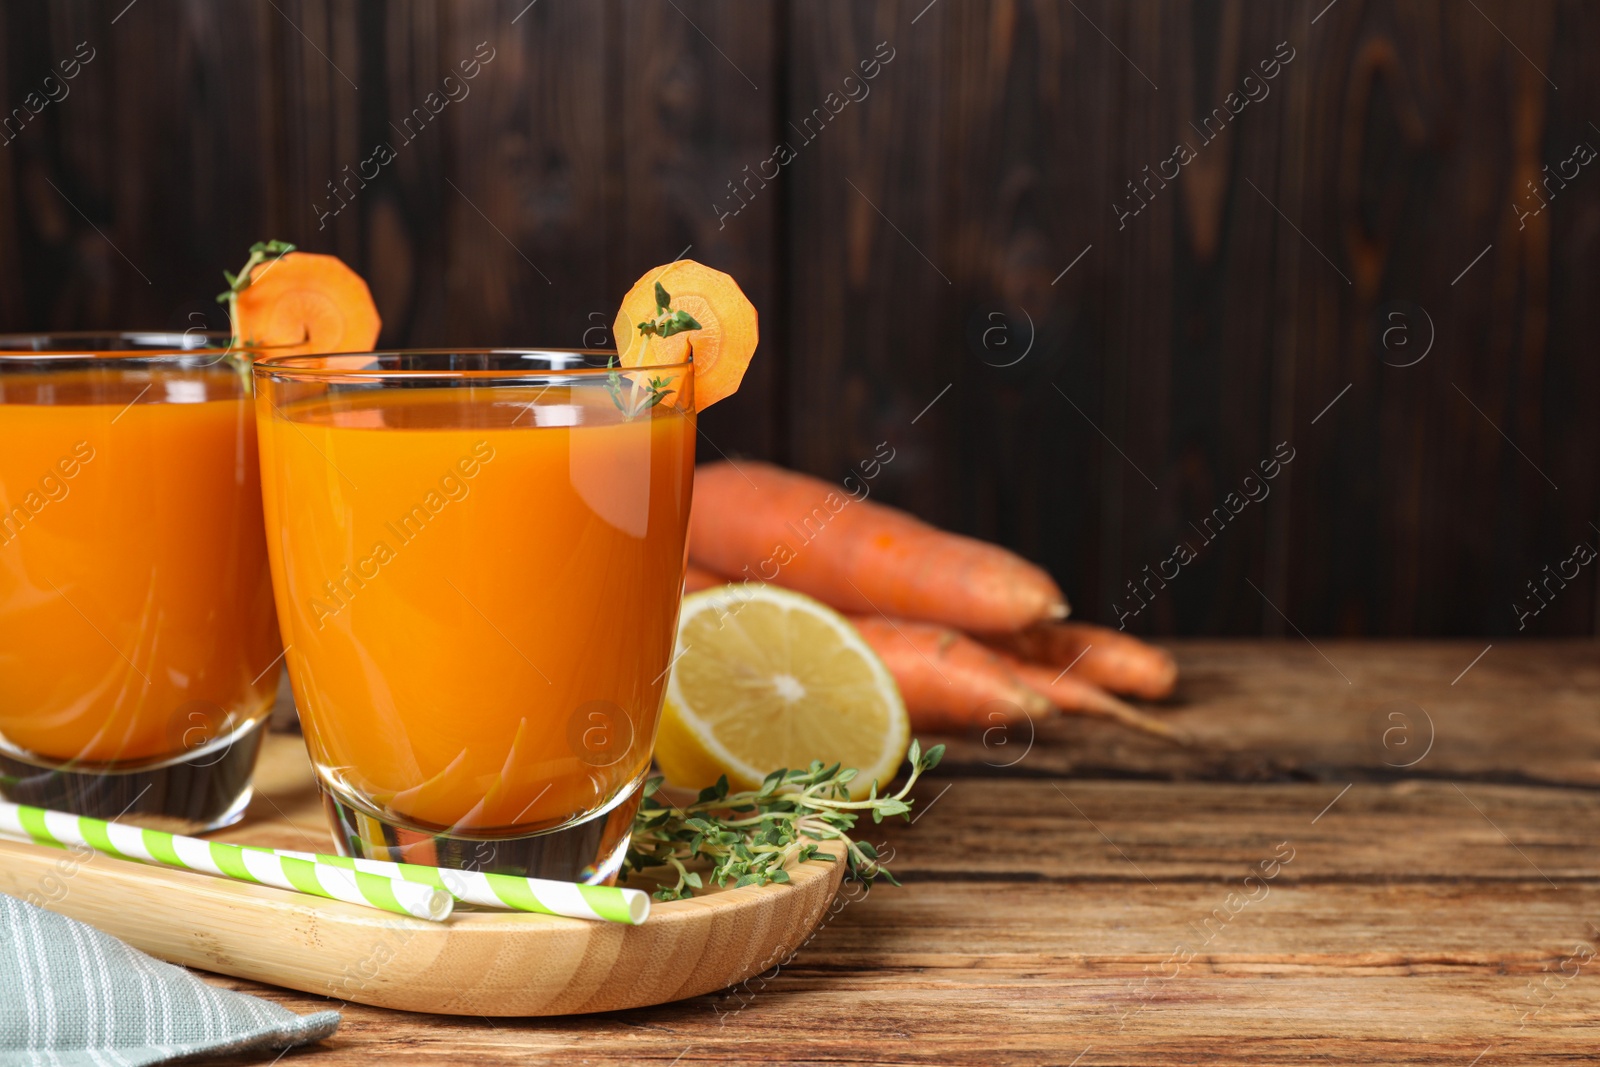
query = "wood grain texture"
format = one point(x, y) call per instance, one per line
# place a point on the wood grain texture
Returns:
point(1523, 712)
point(476, 963)
point(919, 241)
point(1389, 151)
point(1423, 919)
point(1221, 318)
point(1029, 1019)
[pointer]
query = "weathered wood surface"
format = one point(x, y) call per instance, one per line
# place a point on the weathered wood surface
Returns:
point(920, 237)
point(1340, 711)
point(1427, 915)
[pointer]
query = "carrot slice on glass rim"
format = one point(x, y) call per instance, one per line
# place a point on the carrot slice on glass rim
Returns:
point(722, 338)
point(305, 303)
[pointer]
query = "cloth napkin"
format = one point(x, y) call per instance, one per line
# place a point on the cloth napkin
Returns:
point(71, 996)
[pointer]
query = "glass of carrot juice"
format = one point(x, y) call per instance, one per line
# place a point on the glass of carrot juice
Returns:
point(478, 558)
point(139, 655)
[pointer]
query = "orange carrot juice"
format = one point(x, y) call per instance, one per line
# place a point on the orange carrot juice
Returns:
point(136, 619)
point(478, 587)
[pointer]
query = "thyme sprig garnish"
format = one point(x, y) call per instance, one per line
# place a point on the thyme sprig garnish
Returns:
point(655, 391)
point(753, 837)
point(667, 322)
point(260, 252)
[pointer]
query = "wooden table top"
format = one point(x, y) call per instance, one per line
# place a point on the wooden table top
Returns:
point(1374, 852)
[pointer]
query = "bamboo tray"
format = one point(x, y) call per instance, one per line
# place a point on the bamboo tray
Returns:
point(475, 963)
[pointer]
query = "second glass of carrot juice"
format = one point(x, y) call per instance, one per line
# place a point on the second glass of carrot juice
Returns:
point(477, 558)
point(138, 653)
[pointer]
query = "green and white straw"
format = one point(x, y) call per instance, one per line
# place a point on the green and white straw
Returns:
point(543, 896)
point(406, 888)
point(230, 861)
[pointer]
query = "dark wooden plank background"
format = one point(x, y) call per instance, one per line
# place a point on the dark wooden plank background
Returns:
point(921, 241)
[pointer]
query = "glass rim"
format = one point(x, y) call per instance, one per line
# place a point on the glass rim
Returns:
point(320, 367)
point(160, 346)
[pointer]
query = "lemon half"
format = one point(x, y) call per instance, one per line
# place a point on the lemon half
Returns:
point(767, 678)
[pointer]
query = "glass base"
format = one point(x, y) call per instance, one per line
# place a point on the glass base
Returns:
point(590, 852)
point(205, 789)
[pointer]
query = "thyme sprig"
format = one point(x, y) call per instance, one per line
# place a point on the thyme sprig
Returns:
point(260, 252)
point(667, 322)
point(656, 390)
point(753, 837)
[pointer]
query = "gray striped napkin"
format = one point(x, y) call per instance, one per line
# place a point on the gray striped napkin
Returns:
point(71, 996)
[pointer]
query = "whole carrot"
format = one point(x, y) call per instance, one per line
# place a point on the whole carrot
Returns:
point(948, 680)
point(1107, 658)
point(757, 522)
point(1077, 696)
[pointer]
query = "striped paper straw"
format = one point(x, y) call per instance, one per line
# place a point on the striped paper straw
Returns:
point(231, 861)
point(541, 895)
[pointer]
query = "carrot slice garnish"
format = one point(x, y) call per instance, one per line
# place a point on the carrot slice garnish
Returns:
point(301, 303)
point(705, 314)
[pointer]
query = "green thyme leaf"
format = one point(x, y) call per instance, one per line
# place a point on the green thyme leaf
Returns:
point(260, 252)
point(667, 321)
point(656, 390)
point(755, 837)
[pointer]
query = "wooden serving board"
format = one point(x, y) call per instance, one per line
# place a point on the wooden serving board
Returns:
point(475, 963)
